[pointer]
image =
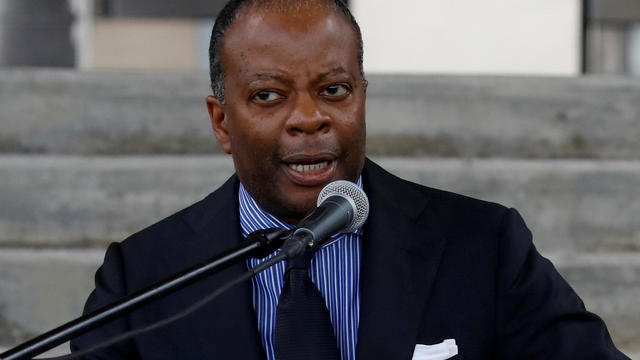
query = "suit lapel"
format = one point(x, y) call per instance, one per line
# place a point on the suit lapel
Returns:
point(225, 328)
point(401, 250)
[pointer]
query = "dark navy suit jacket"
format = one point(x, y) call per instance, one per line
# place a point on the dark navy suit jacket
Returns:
point(435, 266)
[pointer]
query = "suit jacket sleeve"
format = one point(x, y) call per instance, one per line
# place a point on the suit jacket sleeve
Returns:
point(539, 315)
point(110, 286)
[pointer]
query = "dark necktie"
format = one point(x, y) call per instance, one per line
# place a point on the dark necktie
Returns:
point(303, 326)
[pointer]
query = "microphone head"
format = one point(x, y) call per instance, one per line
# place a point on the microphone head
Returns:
point(356, 197)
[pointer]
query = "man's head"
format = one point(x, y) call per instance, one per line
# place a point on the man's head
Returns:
point(291, 111)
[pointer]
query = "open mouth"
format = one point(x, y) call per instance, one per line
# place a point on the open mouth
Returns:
point(310, 171)
point(309, 167)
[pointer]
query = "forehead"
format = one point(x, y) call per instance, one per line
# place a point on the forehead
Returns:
point(290, 36)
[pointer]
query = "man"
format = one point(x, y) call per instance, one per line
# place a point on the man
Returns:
point(428, 267)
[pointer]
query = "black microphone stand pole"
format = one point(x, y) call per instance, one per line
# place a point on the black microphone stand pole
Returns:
point(258, 244)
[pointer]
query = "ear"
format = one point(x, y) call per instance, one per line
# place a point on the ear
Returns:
point(219, 123)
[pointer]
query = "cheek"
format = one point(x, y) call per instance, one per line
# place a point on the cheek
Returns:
point(352, 130)
point(254, 148)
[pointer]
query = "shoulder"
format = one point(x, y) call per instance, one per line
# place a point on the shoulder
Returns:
point(191, 219)
point(447, 209)
point(176, 241)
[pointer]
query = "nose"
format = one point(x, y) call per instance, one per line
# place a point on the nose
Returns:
point(307, 118)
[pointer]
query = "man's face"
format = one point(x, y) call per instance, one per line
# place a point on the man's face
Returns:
point(294, 112)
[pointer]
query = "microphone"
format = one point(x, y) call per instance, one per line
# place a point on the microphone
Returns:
point(342, 207)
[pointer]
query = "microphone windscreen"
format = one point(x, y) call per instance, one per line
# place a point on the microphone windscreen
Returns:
point(356, 197)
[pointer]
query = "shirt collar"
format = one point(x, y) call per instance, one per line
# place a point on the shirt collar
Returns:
point(253, 217)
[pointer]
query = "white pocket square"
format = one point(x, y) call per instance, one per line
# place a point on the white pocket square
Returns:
point(442, 351)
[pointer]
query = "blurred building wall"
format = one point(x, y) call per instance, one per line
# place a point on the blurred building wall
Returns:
point(36, 33)
point(152, 34)
point(612, 37)
point(468, 36)
point(429, 36)
point(122, 43)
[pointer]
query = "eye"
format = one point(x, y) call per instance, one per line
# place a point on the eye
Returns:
point(335, 91)
point(265, 96)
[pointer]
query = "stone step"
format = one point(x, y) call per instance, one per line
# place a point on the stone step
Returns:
point(514, 117)
point(582, 206)
point(42, 289)
point(78, 201)
point(45, 288)
point(108, 112)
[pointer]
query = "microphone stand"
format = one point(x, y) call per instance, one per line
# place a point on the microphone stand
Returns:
point(259, 244)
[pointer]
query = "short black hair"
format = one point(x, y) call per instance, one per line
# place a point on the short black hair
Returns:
point(227, 16)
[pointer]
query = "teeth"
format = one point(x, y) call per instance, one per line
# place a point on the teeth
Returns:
point(309, 167)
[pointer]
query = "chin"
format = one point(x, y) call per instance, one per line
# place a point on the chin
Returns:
point(293, 210)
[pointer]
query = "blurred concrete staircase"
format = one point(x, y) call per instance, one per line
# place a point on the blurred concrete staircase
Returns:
point(87, 158)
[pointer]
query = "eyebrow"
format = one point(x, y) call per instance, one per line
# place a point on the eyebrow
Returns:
point(268, 76)
point(334, 71)
point(278, 77)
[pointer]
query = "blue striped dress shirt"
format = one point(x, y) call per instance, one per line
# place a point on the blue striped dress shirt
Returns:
point(334, 269)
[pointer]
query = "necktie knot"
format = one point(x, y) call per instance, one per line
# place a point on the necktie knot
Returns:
point(300, 262)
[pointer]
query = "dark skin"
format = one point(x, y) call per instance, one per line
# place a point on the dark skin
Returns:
point(294, 112)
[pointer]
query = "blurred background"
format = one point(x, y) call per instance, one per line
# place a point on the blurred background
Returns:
point(534, 104)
